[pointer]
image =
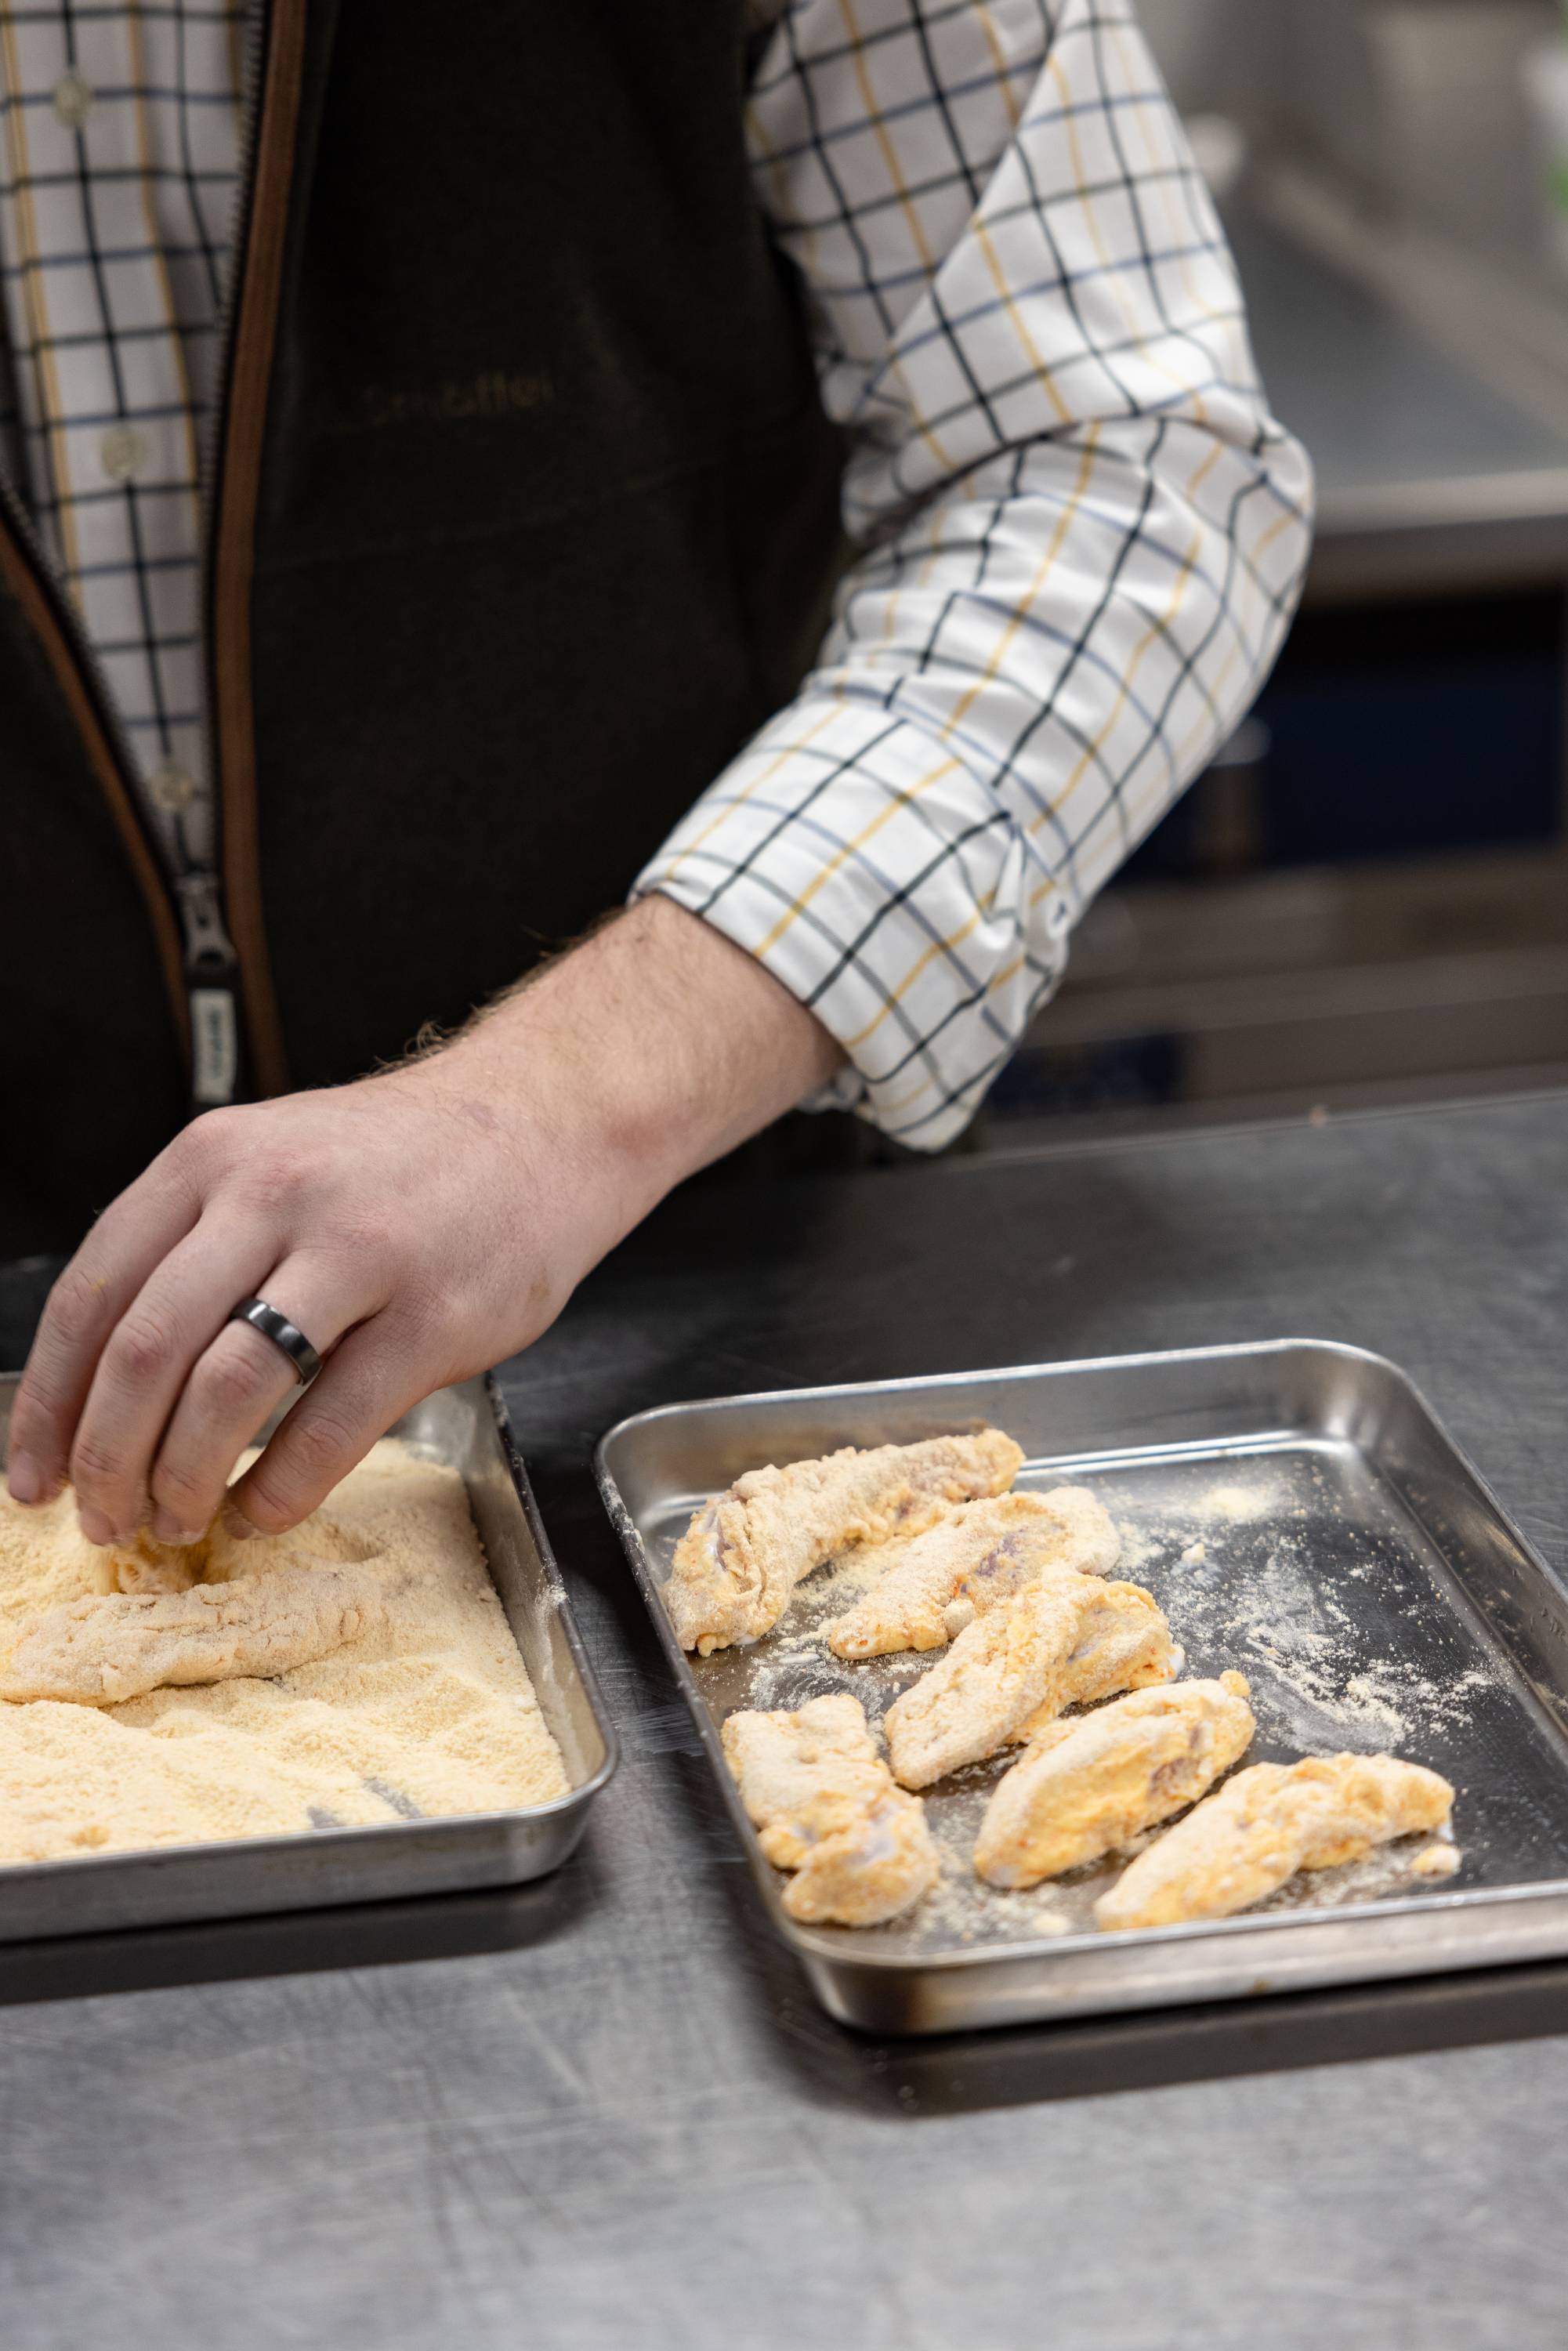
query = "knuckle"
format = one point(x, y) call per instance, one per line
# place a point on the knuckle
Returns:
point(180, 1488)
point(366, 1229)
point(95, 1466)
point(233, 1379)
point(267, 1505)
point(322, 1445)
point(38, 1414)
point(297, 1469)
point(76, 1305)
point(274, 1498)
point(212, 1139)
point(278, 1181)
point(141, 1349)
point(425, 1318)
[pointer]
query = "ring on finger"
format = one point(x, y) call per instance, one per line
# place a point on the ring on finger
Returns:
point(286, 1336)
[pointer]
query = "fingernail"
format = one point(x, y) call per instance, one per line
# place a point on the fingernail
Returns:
point(94, 1526)
point(24, 1478)
point(166, 1529)
point(237, 1525)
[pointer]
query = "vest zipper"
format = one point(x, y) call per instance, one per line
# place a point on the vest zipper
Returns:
point(230, 476)
point(211, 977)
point(187, 962)
point(207, 1010)
point(208, 983)
point(209, 1023)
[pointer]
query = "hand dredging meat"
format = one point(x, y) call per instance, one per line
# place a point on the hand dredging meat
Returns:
point(1088, 1785)
point(144, 1566)
point(825, 1804)
point(1272, 1820)
point(101, 1652)
point(411, 1696)
point(979, 1555)
point(743, 1553)
point(1064, 1641)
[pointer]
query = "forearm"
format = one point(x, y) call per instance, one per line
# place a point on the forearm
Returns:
point(641, 1055)
point(418, 1226)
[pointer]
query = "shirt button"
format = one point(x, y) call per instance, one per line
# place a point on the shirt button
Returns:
point(122, 452)
point(74, 101)
point(173, 789)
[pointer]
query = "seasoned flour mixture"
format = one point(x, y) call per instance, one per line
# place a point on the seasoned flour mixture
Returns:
point(421, 1705)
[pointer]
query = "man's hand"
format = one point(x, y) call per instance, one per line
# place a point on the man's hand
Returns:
point(418, 1227)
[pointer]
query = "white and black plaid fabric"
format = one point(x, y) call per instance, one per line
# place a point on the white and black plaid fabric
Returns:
point(1081, 531)
point(118, 156)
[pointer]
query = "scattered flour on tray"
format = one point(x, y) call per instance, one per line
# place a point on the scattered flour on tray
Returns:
point(429, 1712)
point(1237, 1505)
point(1138, 1549)
point(1299, 1631)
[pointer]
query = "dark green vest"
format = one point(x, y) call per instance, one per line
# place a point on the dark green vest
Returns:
point(527, 517)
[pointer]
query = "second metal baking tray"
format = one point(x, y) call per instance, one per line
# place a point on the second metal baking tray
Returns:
point(1300, 1514)
point(466, 1427)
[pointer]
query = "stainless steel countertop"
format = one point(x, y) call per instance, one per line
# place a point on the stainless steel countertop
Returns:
point(603, 2111)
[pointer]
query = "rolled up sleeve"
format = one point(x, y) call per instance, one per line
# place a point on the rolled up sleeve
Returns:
point(1080, 532)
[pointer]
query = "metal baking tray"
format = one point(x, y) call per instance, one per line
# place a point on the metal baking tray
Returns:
point(1300, 1515)
point(467, 1427)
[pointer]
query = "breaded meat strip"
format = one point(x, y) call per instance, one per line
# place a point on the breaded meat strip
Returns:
point(1091, 1783)
point(982, 1554)
point(1064, 1641)
point(823, 1800)
point(743, 1553)
point(1272, 1820)
point(100, 1652)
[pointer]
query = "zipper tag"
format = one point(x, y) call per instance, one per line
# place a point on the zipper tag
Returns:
point(208, 948)
point(214, 1046)
point(210, 966)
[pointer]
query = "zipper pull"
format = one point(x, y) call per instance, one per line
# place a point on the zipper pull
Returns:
point(210, 964)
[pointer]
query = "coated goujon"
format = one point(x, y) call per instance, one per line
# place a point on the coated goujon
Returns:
point(743, 1553)
point(102, 1652)
point(1124, 1644)
point(939, 1582)
point(1092, 1784)
point(821, 1796)
point(1272, 1820)
point(1062, 1642)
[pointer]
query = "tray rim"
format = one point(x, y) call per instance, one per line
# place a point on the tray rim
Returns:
point(406, 1835)
point(821, 1949)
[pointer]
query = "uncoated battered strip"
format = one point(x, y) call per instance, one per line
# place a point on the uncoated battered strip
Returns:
point(814, 1785)
point(1063, 1641)
point(101, 1652)
point(983, 1553)
point(743, 1553)
point(1272, 1820)
point(1090, 1784)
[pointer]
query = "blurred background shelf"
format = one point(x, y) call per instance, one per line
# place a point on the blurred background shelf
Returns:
point(1432, 478)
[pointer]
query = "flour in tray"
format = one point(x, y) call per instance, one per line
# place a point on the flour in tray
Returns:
point(1299, 1631)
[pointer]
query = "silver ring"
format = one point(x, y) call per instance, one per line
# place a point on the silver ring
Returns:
point(284, 1335)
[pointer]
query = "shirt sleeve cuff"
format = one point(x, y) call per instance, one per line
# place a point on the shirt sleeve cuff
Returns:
point(882, 882)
